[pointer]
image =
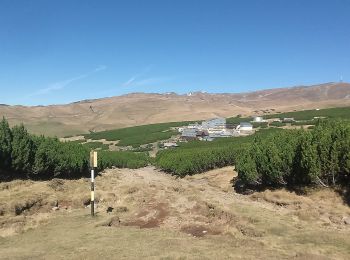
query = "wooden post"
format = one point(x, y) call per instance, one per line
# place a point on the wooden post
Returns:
point(93, 166)
point(92, 202)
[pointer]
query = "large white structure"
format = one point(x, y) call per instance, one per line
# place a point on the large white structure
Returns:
point(244, 126)
point(213, 128)
point(215, 123)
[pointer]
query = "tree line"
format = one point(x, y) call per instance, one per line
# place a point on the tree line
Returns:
point(195, 160)
point(26, 155)
point(198, 156)
point(23, 155)
point(271, 158)
point(319, 156)
point(131, 160)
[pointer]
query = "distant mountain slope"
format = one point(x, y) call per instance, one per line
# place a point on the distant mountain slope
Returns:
point(140, 108)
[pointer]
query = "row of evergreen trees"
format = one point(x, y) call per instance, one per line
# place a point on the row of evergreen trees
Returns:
point(298, 157)
point(26, 155)
point(189, 161)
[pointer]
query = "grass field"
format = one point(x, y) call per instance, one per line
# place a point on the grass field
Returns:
point(138, 135)
point(50, 128)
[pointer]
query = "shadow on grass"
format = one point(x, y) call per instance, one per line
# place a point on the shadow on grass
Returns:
point(344, 192)
point(6, 176)
point(301, 190)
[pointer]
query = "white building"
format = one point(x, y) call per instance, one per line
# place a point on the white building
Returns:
point(217, 123)
point(258, 119)
point(193, 126)
point(170, 145)
point(244, 126)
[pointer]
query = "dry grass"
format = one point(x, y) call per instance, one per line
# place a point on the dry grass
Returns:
point(324, 205)
point(145, 213)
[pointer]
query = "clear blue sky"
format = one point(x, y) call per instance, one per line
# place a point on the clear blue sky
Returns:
point(62, 51)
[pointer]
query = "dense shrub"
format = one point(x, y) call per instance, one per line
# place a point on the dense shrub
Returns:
point(198, 156)
point(298, 157)
point(277, 124)
point(96, 145)
point(259, 124)
point(53, 158)
point(108, 159)
point(24, 155)
point(305, 122)
point(5, 145)
point(22, 150)
point(197, 160)
point(138, 135)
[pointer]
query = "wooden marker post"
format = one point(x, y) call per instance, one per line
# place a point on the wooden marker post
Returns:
point(93, 166)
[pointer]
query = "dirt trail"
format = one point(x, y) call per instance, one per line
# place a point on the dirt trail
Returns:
point(151, 214)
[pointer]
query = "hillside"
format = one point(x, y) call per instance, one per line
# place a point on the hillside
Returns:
point(141, 108)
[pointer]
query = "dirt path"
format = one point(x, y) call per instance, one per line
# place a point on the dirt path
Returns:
point(146, 213)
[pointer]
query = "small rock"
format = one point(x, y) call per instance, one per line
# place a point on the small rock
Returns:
point(121, 209)
point(55, 208)
point(113, 222)
point(109, 209)
point(86, 201)
point(346, 220)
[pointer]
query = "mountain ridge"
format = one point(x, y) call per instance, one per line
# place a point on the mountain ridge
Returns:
point(146, 108)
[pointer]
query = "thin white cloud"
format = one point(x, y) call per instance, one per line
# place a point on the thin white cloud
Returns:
point(62, 84)
point(129, 81)
point(99, 68)
point(57, 85)
point(136, 76)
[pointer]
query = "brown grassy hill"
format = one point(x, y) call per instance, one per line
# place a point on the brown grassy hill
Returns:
point(141, 108)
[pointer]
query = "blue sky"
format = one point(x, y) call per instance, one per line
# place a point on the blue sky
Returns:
point(55, 52)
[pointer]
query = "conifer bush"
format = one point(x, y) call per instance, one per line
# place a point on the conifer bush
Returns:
point(318, 156)
point(27, 156)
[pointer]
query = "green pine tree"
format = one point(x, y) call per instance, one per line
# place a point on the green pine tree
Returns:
point(5, 145)
point(23, 150)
